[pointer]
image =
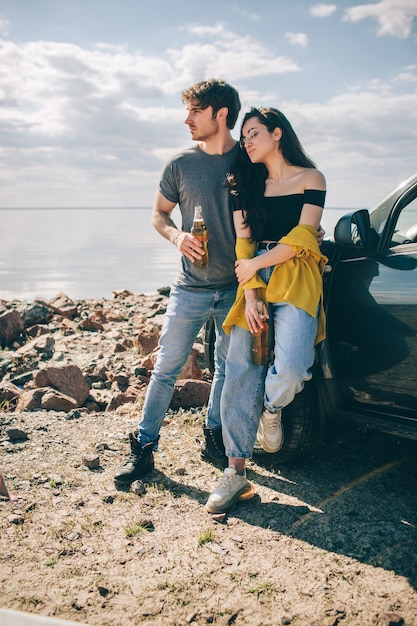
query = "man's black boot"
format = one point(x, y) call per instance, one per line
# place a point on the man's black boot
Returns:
point(138, 464)
point(212, 449)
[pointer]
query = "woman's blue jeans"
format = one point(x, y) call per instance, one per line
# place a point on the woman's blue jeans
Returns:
point(248, 387)
point(187, 312)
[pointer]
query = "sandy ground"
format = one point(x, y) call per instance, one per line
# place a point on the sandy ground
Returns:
point(329, 540)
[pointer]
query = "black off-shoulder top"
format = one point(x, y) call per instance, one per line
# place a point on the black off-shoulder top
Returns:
point(283, 212)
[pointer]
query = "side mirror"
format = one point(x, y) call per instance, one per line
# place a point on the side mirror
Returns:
point(354, 229)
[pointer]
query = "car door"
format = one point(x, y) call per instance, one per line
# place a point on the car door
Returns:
point(373, 318)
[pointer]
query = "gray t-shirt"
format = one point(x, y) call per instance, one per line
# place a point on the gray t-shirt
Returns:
point(194, 178)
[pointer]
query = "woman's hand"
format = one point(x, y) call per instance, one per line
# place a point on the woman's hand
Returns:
point(245, 269)
point(255, 311)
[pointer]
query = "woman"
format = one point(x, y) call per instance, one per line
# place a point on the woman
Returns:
point(278, 198)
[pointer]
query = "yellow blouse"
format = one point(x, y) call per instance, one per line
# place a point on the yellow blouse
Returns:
point(298, 281)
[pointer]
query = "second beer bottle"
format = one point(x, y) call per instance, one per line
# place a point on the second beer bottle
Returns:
point(260, 340)
point(199, 231)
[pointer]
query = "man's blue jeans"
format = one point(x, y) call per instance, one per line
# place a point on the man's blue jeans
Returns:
point(187, 312)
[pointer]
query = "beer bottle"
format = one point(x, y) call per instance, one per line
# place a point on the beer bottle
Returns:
point(199, 231)
point(260, 340)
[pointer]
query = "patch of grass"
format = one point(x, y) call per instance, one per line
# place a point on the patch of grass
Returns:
point(89, 528)
point(133, 531)
point(261, 588)
point(30, 601)
point(56, 533)
point(61, 533)
point(158, 487)
point(51, 562)
point(206, 536)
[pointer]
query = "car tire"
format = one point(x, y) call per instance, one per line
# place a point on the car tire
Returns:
point(300, 424)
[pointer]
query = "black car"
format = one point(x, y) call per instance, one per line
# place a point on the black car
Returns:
point(365, 371)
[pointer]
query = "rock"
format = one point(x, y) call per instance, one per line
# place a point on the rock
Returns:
point(148, 363)
point(90, 324)
point(147, 338)
point(97, 369)
point(121, 380)
point(138, 488)
point(220, 518)
point(192, 367)
point(30, 400)
point(73, 536)
point(147, 524)
point(45, 398)
point(63, 305)
point(16, 434)
point(103, 591)
point(190, 393)
point(68, 379)
point(92, 461)
point(119, 400)
point(41, 345)
point(122, 293)
point(56, 479)
point(11, 327)
point(36, 313)
point(6, 363)
point(9, 392)
point(112, 315)
point(213, 546)
point(37, 330)
point(53, 400)
point(68, 326)
point(22, 379)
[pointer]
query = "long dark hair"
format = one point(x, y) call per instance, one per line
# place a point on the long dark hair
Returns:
point(246, 180)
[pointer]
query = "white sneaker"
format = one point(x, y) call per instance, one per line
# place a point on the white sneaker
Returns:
point(270, 434)
point(232, 487)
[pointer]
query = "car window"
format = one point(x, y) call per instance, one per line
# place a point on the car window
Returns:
point(405, 230)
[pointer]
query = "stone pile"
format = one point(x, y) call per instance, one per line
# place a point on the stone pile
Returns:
point(90, 355)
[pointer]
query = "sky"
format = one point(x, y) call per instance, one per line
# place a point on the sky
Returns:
point(90, 91)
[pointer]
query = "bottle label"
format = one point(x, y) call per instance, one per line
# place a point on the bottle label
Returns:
point(199, 231)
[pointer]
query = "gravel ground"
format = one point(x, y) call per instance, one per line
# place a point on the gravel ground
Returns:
point(329, 540)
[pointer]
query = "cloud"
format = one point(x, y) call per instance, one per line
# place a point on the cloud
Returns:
point(297, 39)
point(226, 54)
point(84, 126)
point(323, 10)
point(395, 17)
point(369, 131)
point(93, 125)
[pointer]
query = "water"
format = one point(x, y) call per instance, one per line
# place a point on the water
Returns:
point(88, 253)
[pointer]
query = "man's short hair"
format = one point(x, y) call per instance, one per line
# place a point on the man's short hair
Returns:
point(217, 94)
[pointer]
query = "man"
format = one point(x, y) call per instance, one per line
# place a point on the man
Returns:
point(193, 177)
